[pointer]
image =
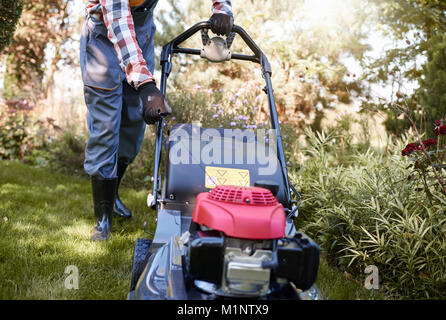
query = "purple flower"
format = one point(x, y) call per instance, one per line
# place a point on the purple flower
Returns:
point(197, 87)
point(233, 124)
point(220, 111)
point(245, 101)
point(215, 116)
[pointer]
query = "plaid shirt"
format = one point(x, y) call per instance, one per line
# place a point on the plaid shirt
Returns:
point(117, 17)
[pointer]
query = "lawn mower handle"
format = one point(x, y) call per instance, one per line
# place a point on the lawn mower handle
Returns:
point(171, 48)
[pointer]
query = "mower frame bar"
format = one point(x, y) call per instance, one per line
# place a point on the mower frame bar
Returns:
point(234, 56)
point(259, 57)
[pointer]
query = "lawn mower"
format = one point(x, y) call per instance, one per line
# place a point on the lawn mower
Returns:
point(225, 228)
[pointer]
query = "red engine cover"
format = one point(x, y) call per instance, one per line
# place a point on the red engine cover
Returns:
point(241, 212)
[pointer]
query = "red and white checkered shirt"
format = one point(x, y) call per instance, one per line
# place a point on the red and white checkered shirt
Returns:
point(117, 17)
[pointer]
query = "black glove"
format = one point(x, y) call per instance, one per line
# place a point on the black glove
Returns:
point(221, 24)
point(154, 105)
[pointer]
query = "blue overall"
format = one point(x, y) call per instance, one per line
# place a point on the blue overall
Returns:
point(114, 118)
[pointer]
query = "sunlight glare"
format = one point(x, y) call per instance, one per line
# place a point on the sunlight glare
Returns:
point(327, 13)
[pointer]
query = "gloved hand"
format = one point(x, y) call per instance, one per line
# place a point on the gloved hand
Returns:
point(221, 24)
point(154, 104)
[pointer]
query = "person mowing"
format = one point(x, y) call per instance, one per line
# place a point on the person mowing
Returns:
point(117, 61)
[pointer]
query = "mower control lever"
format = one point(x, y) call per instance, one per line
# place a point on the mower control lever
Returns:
point(205, 37)
point(216, 50)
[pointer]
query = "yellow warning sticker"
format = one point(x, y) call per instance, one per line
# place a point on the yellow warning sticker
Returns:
point(216, 176)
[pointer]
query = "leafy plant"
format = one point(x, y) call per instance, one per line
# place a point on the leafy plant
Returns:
point(45, 24)
point(20, 132)
point(66, 153)
point(415, 54)
point(369, 213)
point(10, 12)
point(432, 91)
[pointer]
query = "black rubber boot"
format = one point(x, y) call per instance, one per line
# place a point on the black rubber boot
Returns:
point(104, 193)
point(119, 209)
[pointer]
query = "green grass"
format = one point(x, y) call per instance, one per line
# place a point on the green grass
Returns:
point(335, 286)
point(49, 221)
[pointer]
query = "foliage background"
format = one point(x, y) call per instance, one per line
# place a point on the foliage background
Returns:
point(339, 70)
point(10, 12)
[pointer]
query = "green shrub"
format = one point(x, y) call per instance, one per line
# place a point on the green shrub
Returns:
point(66, 153)
point(10, 12)
point(212, 110)
point(371, 213)
point(25, 137)
point(432, 92)
point(20, 133)
point(13, 135)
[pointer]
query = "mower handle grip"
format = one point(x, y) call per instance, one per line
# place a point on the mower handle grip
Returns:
point(173, 46)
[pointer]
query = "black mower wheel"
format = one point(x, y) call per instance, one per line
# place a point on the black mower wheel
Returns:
point(140, 258)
